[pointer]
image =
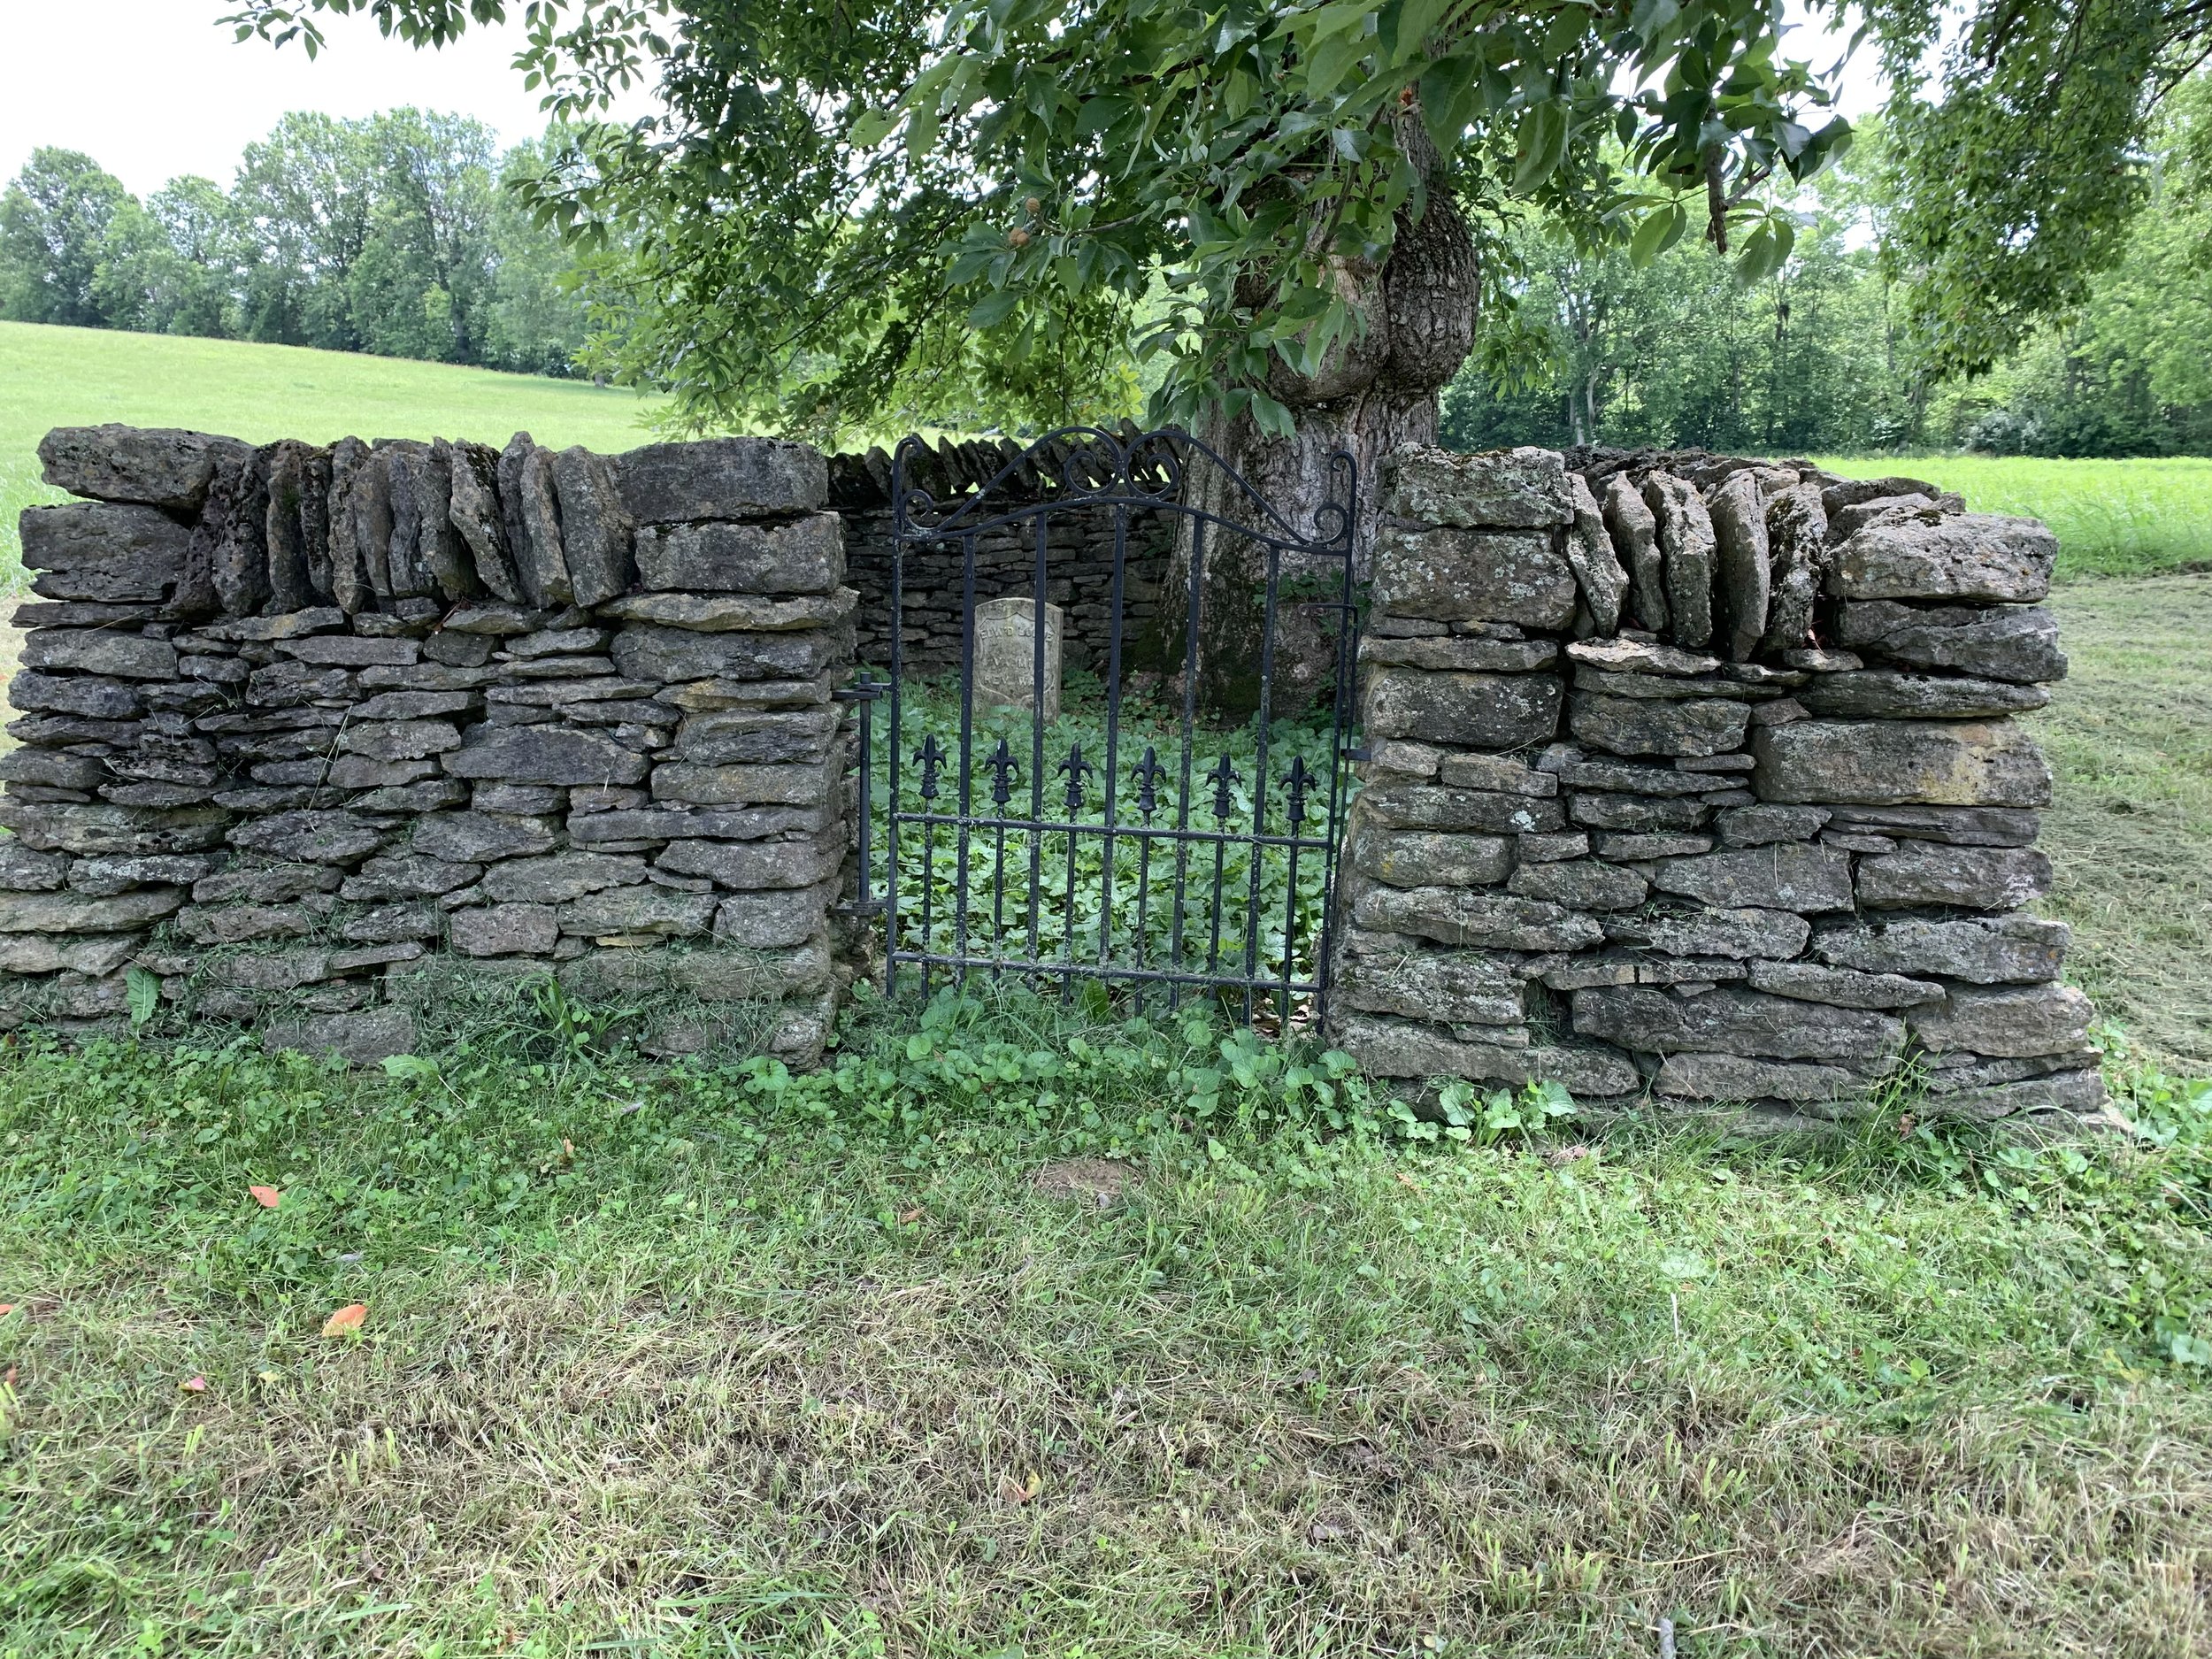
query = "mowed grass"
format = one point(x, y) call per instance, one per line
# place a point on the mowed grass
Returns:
point(2113, 517)
point(68, 377)
point(654, 1364)
point(2129, 732)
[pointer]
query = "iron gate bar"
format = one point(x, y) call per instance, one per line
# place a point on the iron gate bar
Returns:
point(1080, 470)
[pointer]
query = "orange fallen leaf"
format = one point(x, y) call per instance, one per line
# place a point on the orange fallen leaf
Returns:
point(347, 1318)
point(568, 1148)
point(6, 1308)
point(267, 1197)
point(907, 1217)
point(194, 1384)
point(1016, 1494)
point(9, 1380)
point(1407, 1181)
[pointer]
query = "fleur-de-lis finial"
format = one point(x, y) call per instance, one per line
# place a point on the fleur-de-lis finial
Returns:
point(1004, 768)
point(1300, 780)
point(930, 757)
point(1147, 774)
point(1221, 777)
point(1075, 768)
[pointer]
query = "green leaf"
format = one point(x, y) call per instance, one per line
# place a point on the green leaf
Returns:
point(144, 990)
point(993, 309)
point(872, 127)
point(1543, 145)
point(1766, 250)
point(1662, 228)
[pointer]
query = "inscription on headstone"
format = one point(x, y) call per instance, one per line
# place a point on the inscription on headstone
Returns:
point(1006, 656)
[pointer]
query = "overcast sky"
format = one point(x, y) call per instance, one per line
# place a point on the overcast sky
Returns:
point(152, 89)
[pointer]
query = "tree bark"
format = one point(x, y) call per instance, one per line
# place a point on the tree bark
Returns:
point(1374, 393)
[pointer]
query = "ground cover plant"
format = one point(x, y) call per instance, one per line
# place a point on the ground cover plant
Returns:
point(57, 377)
point(1228, 915)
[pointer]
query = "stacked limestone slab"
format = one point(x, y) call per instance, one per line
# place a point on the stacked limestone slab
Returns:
point(1698, 780)
point(299, 722)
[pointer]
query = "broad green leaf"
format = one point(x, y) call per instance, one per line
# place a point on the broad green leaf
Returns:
point(1543, 136)
point(993, 309)
point(1661, 229)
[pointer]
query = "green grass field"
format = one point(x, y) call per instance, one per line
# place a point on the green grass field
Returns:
point(67, 377)
point(2113, 517)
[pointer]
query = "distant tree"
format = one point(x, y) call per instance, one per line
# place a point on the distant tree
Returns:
point(58, 221)
point(306, 195)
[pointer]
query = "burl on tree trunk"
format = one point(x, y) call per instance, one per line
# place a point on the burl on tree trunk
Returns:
point(1374, 393)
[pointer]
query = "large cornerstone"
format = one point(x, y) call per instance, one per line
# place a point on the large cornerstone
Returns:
point(1698, 779)
point(301, 722)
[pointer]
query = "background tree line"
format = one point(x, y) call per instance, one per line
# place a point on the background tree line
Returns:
point(395, 235)
point(1595, 346)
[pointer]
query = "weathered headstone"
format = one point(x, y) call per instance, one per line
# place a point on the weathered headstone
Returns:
point(1006, 656)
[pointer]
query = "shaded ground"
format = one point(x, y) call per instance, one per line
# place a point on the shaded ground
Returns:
point(2130, 734)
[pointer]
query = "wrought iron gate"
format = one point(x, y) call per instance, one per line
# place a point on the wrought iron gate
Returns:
point(1129, 837)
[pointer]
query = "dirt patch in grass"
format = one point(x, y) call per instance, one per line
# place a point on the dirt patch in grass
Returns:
point(2130, 735)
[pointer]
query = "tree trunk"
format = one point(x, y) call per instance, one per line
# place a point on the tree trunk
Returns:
point(1374, 394)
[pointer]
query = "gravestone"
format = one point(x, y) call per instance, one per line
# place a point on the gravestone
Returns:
point(1006, 656)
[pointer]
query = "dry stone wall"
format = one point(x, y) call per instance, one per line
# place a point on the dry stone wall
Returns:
point(1698, 779)
point(1079, 557)
point(301, 726)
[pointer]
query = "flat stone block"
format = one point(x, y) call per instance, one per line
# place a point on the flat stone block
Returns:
point(1523, 486)
point(723, 477)
point(1985, 950)
point(1786, 876)
point(1883, 763)
point(504, 930)
point(2006, 1020)
point(806, 555)
point(1729, 1021)
point(1629, 725)
point(1480, 711)
point(1973, 878)
point(1492, 921)
point(150, 466)
point(1964, 556)
point(1472, 575)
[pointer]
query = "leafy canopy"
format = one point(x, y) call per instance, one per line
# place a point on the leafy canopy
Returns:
point(868, 209)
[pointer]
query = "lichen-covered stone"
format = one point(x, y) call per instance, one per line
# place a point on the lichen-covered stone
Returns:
point(1495, 921)
point(400, 739)
point(723, 478)
point(561, 757)
point(652, 911)
point(504, 930)
point(795, 785)
point(645, 651)
point(1730, 1021)
point(1415, 859)
point(1442, 807)
point(108, 555)
point(803, 557)
point(558, 877)
point(407, 875)
point(773, 920)
point(1383, 974)
point(1968, 555)
point(595, 531)
point(1473, 575)
point(735, 613)
point(1687, 552)
point(1986, 950)
point(1974, 877)
point(757, 737)
point(1881, 763)
point(1728, 1077)
point(1498, 489)
point(1464, 653)
point(1762, 825)
point(748, 866)
point(1642, 656)
point(1956, 825)
point(2009, 642)
point(1597, 570)
point(1746, 578)
point(1501, 774)
point(1635, 533)
point(320, 838)
point(1797, 536)
point(1482, 710)
point(1628, 725)
point(1786, 876)
point(96, 955)
point(1580, 884)
point(75, 913)
point(99, 651)
point(147, 466)
point(1886, 693)
point(1389, 1048)
point(2006, 1020)
point(243, 923)
point(1739, 934)
point(23, 870)
point(465, 838)
point(1845, 987)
